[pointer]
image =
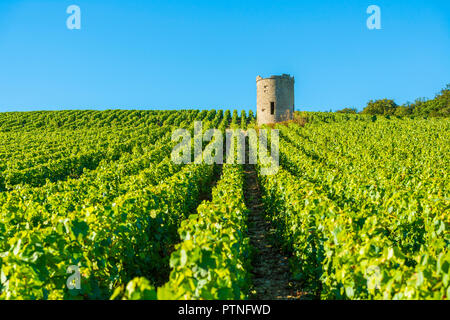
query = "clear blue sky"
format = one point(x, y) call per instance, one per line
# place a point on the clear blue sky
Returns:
point(167, 54)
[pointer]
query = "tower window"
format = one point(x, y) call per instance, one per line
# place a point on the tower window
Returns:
point(272, 108)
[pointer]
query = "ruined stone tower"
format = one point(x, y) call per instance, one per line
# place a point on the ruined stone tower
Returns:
point(274, 99)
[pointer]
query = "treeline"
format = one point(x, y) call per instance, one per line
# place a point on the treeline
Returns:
point(437, 107)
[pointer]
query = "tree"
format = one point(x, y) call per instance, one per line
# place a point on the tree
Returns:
point(437, 107)
point(380, 107)
point(347, 110)
point(402, 111)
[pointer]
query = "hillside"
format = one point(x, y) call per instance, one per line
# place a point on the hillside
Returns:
point(94, 205)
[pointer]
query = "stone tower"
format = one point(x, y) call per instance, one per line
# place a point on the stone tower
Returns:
point(274, 99)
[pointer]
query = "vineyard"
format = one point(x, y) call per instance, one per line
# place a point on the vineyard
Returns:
point(359, 208)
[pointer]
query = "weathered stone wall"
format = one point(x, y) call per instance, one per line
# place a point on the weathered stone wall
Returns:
point(280, 91)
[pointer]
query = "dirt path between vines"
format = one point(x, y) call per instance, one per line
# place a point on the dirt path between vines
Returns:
point(271, 274)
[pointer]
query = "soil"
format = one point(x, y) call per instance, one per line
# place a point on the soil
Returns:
point(271, 274)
